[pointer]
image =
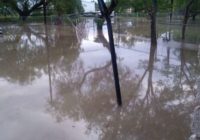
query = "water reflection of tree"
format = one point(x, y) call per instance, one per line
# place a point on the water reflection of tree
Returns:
point(150, 90)
point(23, 52)
point(132, 26)
point(17, 63)
point(97, 107)
point(127, 35)
point(100, 38)
point(160, 114)
point(185, 74)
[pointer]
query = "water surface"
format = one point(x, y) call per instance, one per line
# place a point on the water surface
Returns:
point(56, 82)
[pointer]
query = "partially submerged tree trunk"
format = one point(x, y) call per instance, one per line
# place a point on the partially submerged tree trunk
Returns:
point(23, 17)
point(186, 17)
point(100, 23)
point(106, 12)
point(100, 36)
point(45, 11)
point(171, 12)
point(153, 30)
point(152, 56)
point(152, 11)
point(153, 23)
point(194, 16)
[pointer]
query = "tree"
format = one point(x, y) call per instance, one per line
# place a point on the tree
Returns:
point(189, 8)
point(106, 11)
point(186, 7)
point(171, 9)
point(24, 8)
point(195, 9)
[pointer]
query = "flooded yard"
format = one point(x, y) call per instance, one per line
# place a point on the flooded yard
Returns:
point(56, 82)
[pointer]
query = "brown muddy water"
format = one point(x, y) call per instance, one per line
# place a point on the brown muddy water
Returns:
point(56, 83)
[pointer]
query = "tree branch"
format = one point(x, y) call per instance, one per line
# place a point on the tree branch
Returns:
point(36, 6)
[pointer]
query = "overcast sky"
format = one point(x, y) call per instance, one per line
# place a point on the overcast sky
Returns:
point(88, 5)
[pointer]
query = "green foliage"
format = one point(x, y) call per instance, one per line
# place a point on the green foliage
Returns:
point(142, 5)
point(67, 6)
point(163, 5)
point(180, 5)
point(137, 5)
point(195, 9)
point(25, 7)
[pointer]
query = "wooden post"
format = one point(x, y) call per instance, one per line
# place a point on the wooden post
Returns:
point(106, 14)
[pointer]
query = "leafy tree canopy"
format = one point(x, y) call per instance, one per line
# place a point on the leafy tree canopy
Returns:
point(142, 5)
point(24, 8)
point(67, 6)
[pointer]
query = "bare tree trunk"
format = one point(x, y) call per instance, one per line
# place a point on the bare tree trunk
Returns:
point(186, 17)
point(194, 17)
point(45, 12)
point(24, 16)
point(106, 12)
point(153, 23)
point(185, 20)
point(99, 22)
point(171, 12)
point(153, 30)
point(24, 12)
point(114, 61)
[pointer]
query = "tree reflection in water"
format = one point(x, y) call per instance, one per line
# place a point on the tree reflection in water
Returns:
point(163, 112)
point(23, 51)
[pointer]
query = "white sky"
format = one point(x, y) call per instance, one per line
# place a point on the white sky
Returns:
point(88, 5)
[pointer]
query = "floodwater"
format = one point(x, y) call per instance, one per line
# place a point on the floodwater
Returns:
point(56, 83)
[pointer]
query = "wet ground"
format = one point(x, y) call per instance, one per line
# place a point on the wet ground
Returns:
point(56, 83)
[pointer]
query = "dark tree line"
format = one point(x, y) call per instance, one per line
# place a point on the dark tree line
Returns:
point(25, 8)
